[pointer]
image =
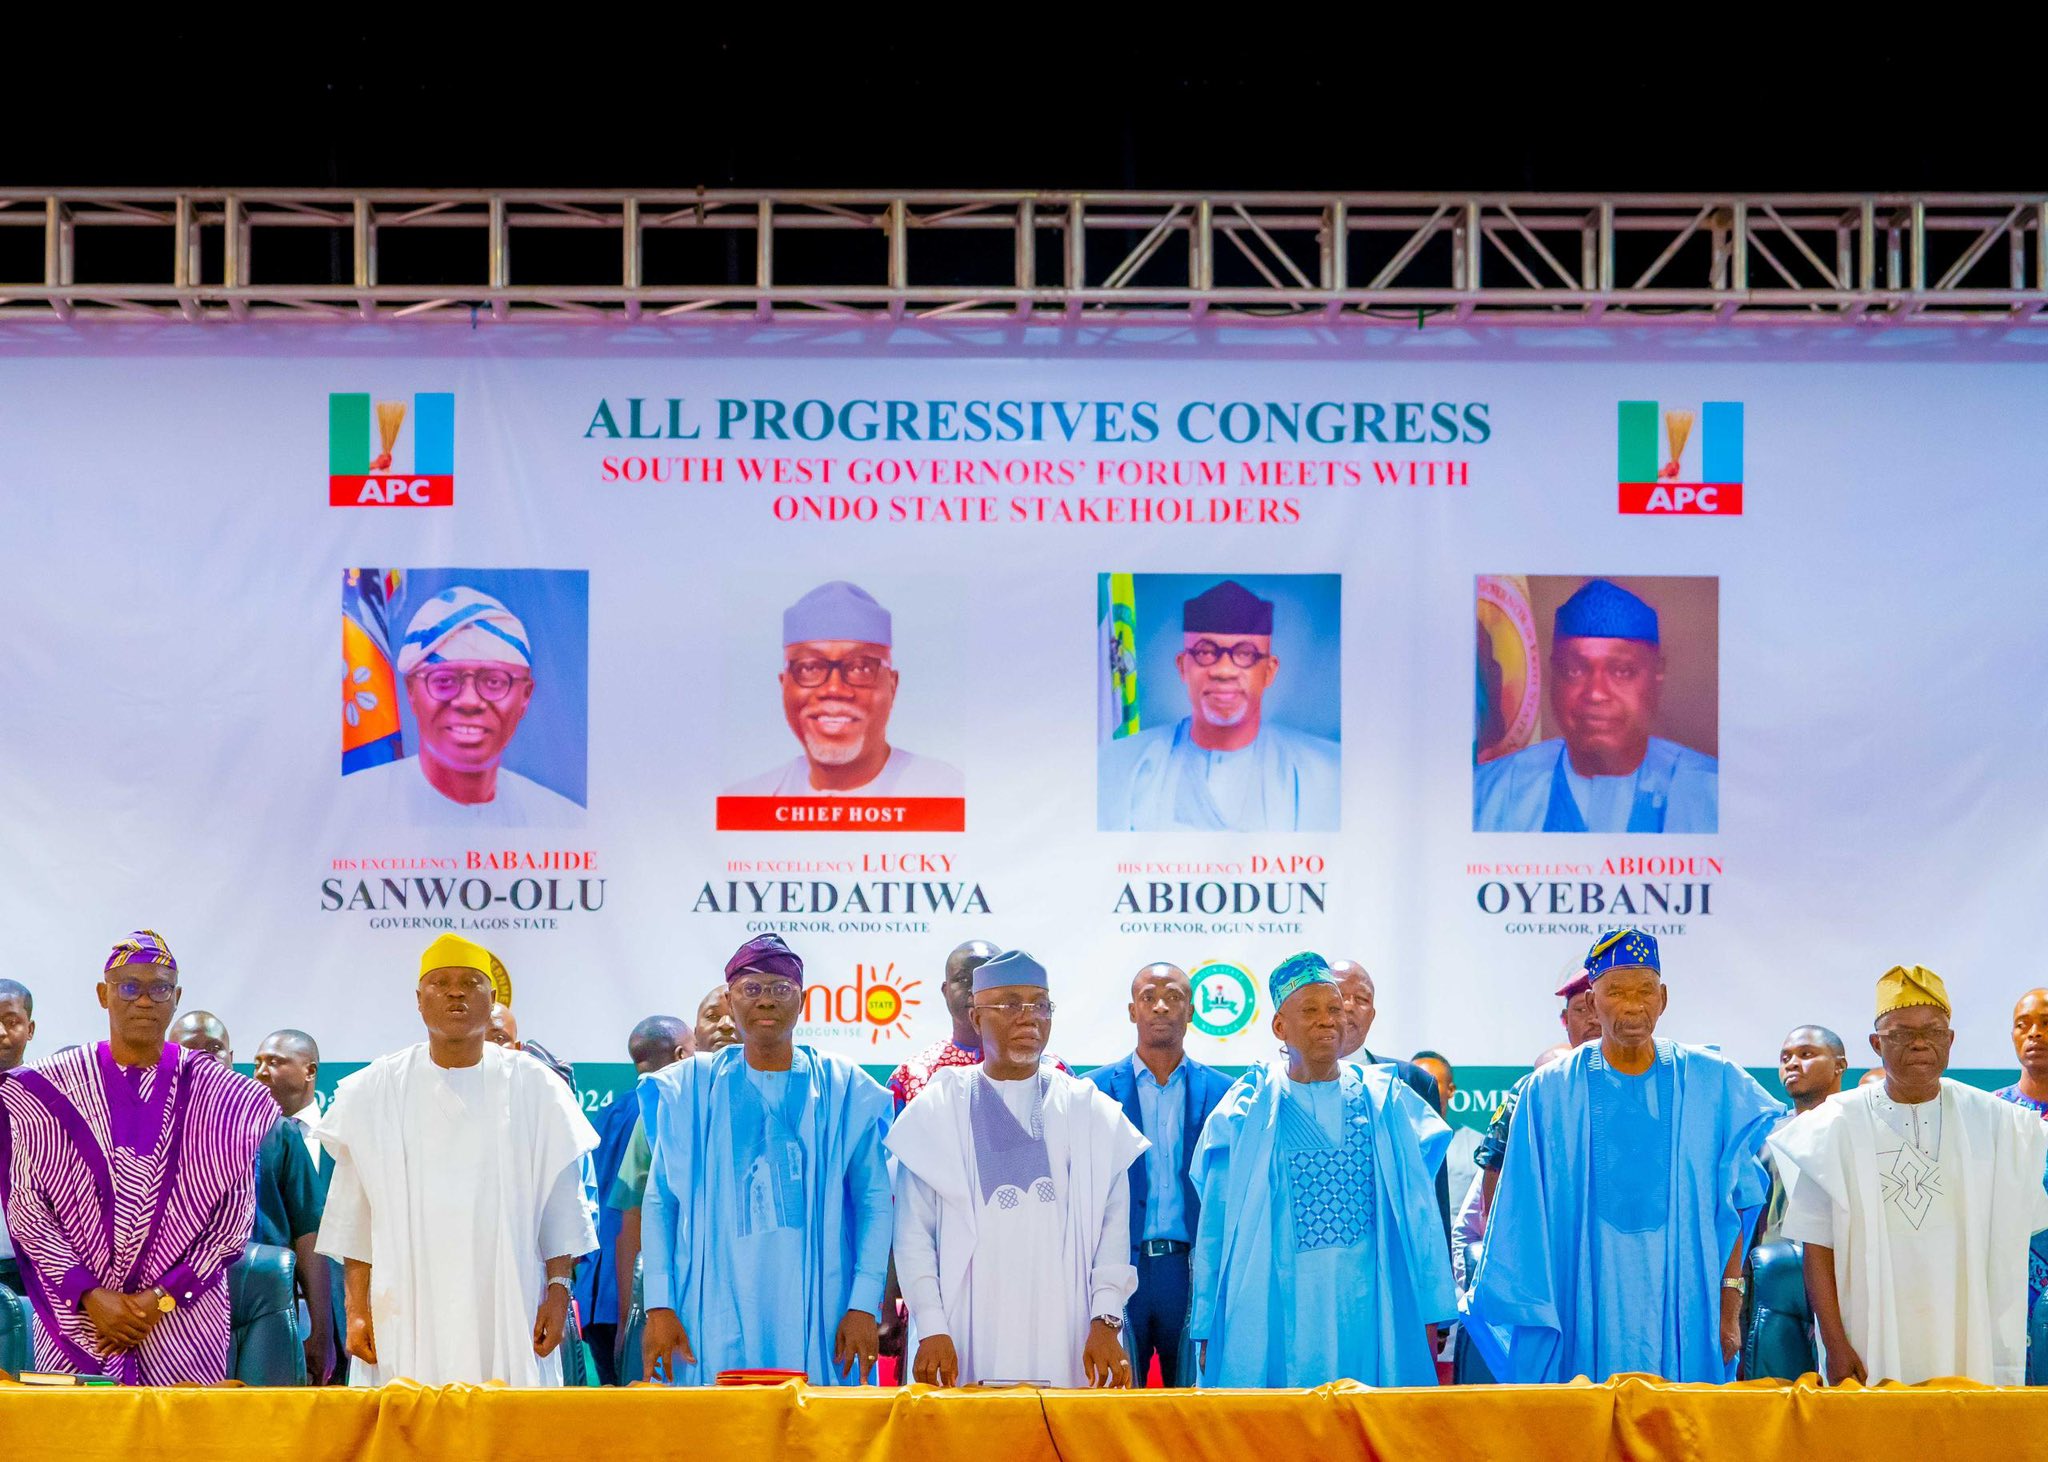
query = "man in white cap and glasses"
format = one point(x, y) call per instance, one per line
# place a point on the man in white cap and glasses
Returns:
point(838, 688)
point(467, 667)
point(1013, 1228)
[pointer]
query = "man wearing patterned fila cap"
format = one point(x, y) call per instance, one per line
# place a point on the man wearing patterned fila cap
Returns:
point(1223, 767)
point(456, 1203)
point(1916, 1199)
point(467, 666)
point(1013, 1225)
point(1321, 1252)
point(1632, 1180)
point(765, 1228)
point(128, 1172)
point(1606, 773)
point(838, 688)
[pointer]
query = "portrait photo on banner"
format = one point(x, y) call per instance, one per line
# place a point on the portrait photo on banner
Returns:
point(1596, 704)
point(1219, 702)
point(465, 698)
point(843, 708)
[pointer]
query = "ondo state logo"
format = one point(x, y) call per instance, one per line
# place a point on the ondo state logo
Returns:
point(1226, 997)
point(874, 998)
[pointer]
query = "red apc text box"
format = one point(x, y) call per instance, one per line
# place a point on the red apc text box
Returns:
point(390, 490)
point(1697, 499)
point(842, 814)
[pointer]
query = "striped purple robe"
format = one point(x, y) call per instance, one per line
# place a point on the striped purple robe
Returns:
point(125, 1178)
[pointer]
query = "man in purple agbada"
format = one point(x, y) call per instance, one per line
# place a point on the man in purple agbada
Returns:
point(128, 1170)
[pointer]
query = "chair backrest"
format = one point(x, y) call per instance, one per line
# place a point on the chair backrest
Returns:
point(263, 1303)
point(17, 1340)
point(2037, 1344)
point(1779, 1342)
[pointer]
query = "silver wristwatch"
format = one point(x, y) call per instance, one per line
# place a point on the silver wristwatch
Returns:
point(563, 1281)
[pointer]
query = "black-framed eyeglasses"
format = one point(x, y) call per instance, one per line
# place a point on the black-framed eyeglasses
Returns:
point(444, 683)
point(772, 989)
point(158, 991)
point(1243, 654)
point(1040, 1008)
point(857, 671)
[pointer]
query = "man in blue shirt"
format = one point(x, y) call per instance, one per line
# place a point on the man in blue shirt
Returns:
point(1168, 1097)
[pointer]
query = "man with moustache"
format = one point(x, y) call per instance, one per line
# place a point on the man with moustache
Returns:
point(467, 665)
point(1224, 767)
point(1632, 1183)
point(838, 688)
point(1916, 1199)
point(129, 1181)
point(457, 1197)
point(17, 1029)
point(1320, 1256)
point(1361, 1007)
point(1167, 1096)
point(288, 1201)
point(1607, 773)
point(767, 1215)
point(1013, 1237)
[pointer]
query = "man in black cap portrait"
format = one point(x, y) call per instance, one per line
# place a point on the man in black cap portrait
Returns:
point(1223, 767)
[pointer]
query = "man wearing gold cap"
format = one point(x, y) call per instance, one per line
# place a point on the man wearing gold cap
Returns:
point(457, 1201)
point(1916, 1198)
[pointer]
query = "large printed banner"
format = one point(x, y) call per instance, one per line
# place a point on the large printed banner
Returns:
point(1442, 653)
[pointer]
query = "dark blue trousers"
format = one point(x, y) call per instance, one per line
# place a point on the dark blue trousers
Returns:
point(1158, 1313)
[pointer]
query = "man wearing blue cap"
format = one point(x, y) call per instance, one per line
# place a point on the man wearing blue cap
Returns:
point(1632, 1178)
point(765, 1229)
point(1223, 767)
point(1607, 773)
point(1013, 1230)
point(838, 688)
point(1321, 1253)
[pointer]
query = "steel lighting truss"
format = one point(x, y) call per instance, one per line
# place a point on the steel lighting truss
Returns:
point(1130, 258)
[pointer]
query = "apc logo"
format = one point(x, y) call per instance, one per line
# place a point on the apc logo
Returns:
point(874, 1000)
point(361, 458)
point(1226, 997)
point(1676, 469)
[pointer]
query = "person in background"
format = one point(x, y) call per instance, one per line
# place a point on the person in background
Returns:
point(1361, 1008)
point(130, 1186)
point(1459, 1169)
point(963, 1046)
point(17, 1029)
point(714, 1030)
point(288, 1201)
point(288, 1063)
point(1811, 1060)
point(456, 1201)
point(1916, 1201)
point(2030, 1044)
point(1167, 1096)
point(1581, 1024)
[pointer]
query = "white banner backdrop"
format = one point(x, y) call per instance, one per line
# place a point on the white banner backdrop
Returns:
point(1851, 768)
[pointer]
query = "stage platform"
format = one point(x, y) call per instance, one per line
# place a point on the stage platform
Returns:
point(1629, 1418)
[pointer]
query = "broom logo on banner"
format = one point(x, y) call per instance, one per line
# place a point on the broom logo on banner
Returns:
point(1686, 461)
point(362, 457)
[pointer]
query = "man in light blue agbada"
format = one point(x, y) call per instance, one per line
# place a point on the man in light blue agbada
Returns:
point(1632, 1179)
point(1607, 773)
point(1224, 767)
point(765, 1229)
point(1320, 1254)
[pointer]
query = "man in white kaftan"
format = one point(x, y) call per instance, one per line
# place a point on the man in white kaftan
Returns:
point(1916, 1198)
point(457, 1199)
point(1013, 1244)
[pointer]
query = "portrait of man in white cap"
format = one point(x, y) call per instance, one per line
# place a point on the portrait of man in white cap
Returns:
point(466, 665)
point(838, 687)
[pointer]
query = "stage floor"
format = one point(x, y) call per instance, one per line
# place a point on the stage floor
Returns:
point(1629, 1418)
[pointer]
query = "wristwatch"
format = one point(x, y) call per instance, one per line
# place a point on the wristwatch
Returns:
point(563, 1281)
point(1737, 1283)
point(1114, 1322)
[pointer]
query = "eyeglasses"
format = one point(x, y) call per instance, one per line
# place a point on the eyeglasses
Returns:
point(1932, 1037)
point(769, 989)
point(1014, 1008)
point(1243, 654)
point(857, 671)
point(491, 684)
point(159, 991)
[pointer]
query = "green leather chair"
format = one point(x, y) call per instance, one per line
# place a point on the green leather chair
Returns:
point(2037, 1344)
point(263, 1305)
point(17, 1340)
point(1779, 1342)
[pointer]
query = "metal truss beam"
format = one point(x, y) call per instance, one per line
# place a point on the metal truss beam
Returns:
point(1145, 258)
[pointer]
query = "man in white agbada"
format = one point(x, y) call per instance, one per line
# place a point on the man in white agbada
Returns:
point(838, 690)
point(457, 1198)
point(467, 666)
point(1013, 1227)
point(1916, 1198)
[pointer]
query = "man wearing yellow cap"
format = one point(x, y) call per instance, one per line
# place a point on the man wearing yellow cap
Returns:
point(457, 1200)
point(1916, 1198)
